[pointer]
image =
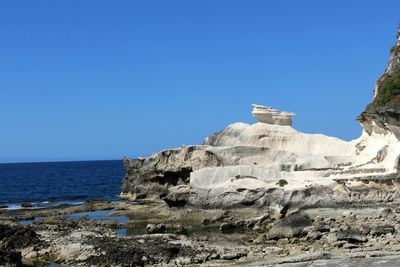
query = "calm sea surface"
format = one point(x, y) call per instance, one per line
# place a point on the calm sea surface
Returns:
point(53, 183)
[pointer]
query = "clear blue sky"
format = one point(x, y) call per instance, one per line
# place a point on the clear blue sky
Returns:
point(104, 79)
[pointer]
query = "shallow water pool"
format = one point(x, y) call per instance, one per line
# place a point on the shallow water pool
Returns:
point(99, 215)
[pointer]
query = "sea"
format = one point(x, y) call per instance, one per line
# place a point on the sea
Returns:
point(49, 184)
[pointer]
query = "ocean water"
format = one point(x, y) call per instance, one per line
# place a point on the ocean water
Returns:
point(54, 183)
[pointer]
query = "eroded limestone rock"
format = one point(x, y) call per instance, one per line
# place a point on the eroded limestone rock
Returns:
point(269, 163)
point(271, 115)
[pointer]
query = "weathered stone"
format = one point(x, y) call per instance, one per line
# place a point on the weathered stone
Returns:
point(164, 228)
point(290, 226)
point(272, 116)
point(314, 235)
point(233, 256)
point(240, 225)
point(351, 236)
point(382, 230)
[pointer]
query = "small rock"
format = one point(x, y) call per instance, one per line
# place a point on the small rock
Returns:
point(385, 212)
point(155, 228)
point(339, 244)
point(290, 226)
point(226, 227)
point(205, 221)
point(233, 256)
point(314, 235)
point(323, 228)
point(259, 240)
point(350, 246)
point(165, 228)
point(240, 225)
point(366, 229)
point(331, 238)
point(256, 228)
point(383, 230)
point(351, 236)
point(318, 219)
point(26, 205)
point(283, 241)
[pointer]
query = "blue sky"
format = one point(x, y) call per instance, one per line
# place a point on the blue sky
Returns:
point(105, 79)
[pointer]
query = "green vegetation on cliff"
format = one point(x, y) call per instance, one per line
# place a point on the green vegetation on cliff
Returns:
point(395, 49)
point(282, 183)
point(389, 92)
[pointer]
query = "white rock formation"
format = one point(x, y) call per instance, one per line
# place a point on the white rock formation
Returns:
point(376, 152)
point(277, 137)
point(244, 161)
point(272, 116)
point(269, 162)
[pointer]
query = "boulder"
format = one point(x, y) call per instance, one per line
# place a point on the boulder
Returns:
point(26, 205)
point(241, 225)
point(351, 236)
point(165, 228)
point(382, 230)
point(291, 226)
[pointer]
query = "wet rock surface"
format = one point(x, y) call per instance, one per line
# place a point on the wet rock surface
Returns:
point(160, 235)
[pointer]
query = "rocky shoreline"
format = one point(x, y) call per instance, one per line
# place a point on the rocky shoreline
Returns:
point(166, 236)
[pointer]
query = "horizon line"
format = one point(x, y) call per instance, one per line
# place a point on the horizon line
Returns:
point(60, 161)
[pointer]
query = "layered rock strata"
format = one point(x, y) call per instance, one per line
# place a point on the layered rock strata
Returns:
point(271, 115)
point(269, 163)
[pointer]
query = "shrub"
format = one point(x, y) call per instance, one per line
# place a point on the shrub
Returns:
point(395, 49)
point(388, 90)
point(282, 183)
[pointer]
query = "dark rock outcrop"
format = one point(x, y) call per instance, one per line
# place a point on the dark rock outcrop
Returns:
point(10, 257)
point(166, 174)
point(154, 176)
point(12, 239)
point(351, 236)
point(17, 236)
point(290, 226)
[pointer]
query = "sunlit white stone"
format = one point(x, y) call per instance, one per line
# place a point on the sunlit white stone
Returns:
point(271, 115)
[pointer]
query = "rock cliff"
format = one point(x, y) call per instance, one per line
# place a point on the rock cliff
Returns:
point(269, 163)
point(384, 111)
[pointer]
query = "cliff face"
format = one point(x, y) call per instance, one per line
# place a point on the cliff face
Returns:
point(384, 111)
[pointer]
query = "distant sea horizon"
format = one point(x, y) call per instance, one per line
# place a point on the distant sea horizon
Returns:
point(52, 183)
point(56, 161)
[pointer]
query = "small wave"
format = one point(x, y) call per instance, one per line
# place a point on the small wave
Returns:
point(12, 206)
point(41, 205)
